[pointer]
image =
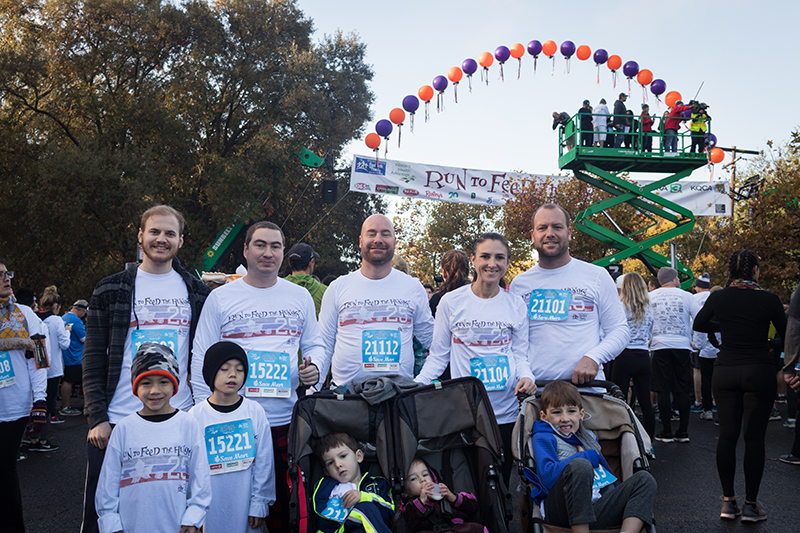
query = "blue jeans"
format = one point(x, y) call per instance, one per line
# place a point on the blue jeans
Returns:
point(671, 140)
point(618, 137)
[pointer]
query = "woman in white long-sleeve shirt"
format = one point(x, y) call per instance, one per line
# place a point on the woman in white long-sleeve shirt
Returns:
point(482, 331)
point(59, 340)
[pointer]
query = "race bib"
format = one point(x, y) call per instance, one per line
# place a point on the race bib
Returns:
point(269, 375)
point(230, 446)
point(166, 337)
point(335, 510)
point(380, 350)
point(549, 305)
point(492, 371)
point(6, 371)
point(602, 477)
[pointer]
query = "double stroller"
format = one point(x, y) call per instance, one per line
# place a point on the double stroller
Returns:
point(450, 425)
point(622, 440)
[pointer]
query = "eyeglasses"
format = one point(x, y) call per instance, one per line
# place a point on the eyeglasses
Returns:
point(7, 274)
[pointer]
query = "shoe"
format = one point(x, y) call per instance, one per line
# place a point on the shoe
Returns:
point(751, 512)
point(774, 415)
point(716, 421)
point(790, 423)
point(665, 437)
point(21, 456)
point(781, 398)
point(69, 411)
point(42, 446)
point(26, 439)
point(729, 510)
point(790, 459)
point(696, 408)
point(681, 437)
point(55, 419)
point(675, 417)
point(706, 415)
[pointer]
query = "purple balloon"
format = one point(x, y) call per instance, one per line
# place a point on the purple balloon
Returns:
point(630, 69)
point(711, 140)
point(383, 128)
point(502, 53)
point(567, 48)
point(410, 103)
point(534, 48)
point(687, 113)
point(440, 83)
point(600, 56)
point(469, 66)
point(658, 87)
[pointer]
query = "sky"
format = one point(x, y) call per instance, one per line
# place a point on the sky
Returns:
point(741, 53)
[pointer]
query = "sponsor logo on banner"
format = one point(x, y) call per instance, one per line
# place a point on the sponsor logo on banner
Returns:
point(387, 189)
point(675, 188)
point(363, 187)
point(410, 192)
point(368, 166)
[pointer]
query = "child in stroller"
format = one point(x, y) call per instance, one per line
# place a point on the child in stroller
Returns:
point(577, 486)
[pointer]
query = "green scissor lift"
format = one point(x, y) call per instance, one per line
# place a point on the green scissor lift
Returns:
point(601, 167)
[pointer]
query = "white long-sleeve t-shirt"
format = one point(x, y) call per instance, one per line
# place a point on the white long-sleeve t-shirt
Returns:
point(270, 324)
point(674, 310)
point(238, 446)
point(482, 337)
point(21, 383)
point(700, 339)
point(155, 476)
point(59, 340)
point(368, 325)
point(568, 309)
point(641, 331)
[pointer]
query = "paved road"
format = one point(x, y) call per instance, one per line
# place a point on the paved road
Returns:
point(688, 487)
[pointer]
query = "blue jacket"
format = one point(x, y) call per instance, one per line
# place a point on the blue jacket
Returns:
point(553, 450)
point(375, 509)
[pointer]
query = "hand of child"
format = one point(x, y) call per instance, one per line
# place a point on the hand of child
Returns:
point(308, 372)
point(444, 491)
point(580, 448)
point(188, 529)
point(426, 492)
point(255, 521)
point(350, 498)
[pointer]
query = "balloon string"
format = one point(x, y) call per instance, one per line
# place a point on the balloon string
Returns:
point(486, 69)
point(502, 77)
point(439, 102)
point(658, 104)
point(427, 111)
point(567, 65)
point(377, 157)
point(629, 87)
point(553, 68)
point(469, 81)
point(534, 64)
point(399, 133)
point(614, 78)
point(412, 122)
point(455, 90)
point(598, 74)
point(644, 95)
point(386, 148)
point(519, 68)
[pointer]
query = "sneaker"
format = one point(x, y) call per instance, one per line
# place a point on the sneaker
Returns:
point(790, 459)
point(751, 512)
point(774, 415)
point(781, 398)
point(55, 419)
point(676, 417)
point(706, 415)
point(729, 510)
point(696, 408)
point(26, 439)
point(681, 437)
point(42, 446)
point(665, 437)
point(69, 411)
point(790, 423)
point(21, 456)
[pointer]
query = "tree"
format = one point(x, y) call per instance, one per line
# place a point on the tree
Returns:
point(107, 108)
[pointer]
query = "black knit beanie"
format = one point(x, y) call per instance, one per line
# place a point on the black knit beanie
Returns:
point(217, 355)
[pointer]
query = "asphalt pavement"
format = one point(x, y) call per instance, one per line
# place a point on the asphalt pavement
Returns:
point(688, 500)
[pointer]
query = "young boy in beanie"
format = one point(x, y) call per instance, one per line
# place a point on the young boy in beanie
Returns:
point(238, 444)
point(155, 474)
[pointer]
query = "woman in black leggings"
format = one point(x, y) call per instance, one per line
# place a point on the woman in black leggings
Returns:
point(744, 376)
point(634, 361)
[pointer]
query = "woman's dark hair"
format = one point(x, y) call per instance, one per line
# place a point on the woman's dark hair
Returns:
point(742, 265)
point(492, 236)
point(455, 265)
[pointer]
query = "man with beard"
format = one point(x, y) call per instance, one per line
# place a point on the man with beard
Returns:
point(156, 301)
point(369, 317)
point(270, 318)
point(570, 302)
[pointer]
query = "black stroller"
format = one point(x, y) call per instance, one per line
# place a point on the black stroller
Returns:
point(617, 430)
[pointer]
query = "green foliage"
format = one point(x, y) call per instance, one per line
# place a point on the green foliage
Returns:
point(110, 106)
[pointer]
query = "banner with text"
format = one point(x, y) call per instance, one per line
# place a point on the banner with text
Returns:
point(486, 187)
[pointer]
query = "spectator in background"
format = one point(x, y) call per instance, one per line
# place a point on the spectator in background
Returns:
point(600, 123)
point(428, 289)
point(587, 127)
point(420, 352)
point(562, 119)
point(73, 355)
point(455, 272)
point(647, 128)
point(671, 126)
point(59, 340)
point(620, 120)
point(301, 260)
point(653, 284)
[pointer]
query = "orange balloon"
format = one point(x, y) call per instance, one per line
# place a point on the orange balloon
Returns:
point(549, 48)
point(373, 141)
point(517, 50)
point(644, 77)
point(717, 155)
point(485, 59)
point(425, 93)
point(397, 115)
point(672, 97)
point(584, 52)
point(614, 62)
point(455, 74)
